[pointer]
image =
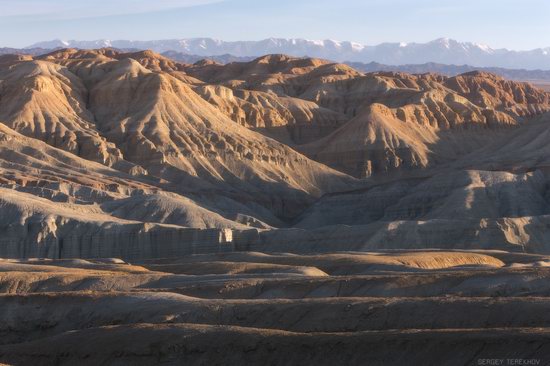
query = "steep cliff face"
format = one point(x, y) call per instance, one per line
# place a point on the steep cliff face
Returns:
point(128, 228)
point(54, 204)
point(524, 234)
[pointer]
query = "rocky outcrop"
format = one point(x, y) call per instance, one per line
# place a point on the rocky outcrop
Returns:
point(37, 227)
point(130, 241)
point(248, 108)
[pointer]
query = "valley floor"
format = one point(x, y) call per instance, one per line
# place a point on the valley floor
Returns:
point(349, 308)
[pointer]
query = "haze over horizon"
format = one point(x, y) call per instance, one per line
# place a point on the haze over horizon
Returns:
point(366, 22)
point(401, 43)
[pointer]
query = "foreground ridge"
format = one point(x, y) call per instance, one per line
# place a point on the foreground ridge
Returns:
point(246, 307)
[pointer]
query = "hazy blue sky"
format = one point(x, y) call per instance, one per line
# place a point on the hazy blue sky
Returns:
point(520, 24)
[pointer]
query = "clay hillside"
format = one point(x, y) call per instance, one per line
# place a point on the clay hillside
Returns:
point(128, 155)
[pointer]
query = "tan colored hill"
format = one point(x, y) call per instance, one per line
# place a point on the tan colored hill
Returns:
point(153, 61)
point(261, 71)
point(425, 110)
point(166, 156)
point(230, 190)
point(340, 98)
point(33, 164)
point(493, 92)
point(290, 120)
point(45, 101)
point(166, 124)
point(149, 59)
point(158, 122)
point(374, 141)
point(262, 95)
point(153, 147)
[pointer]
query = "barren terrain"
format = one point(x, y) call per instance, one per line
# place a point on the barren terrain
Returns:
point(396, 307)
point(281, 210)
point(108, 154)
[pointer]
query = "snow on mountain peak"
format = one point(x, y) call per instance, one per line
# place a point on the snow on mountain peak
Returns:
point(483, 47)
point(441, 50)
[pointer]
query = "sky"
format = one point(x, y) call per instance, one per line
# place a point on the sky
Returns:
point(519, 25)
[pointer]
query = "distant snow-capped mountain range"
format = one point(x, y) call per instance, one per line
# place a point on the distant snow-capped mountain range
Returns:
point(443, 50)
